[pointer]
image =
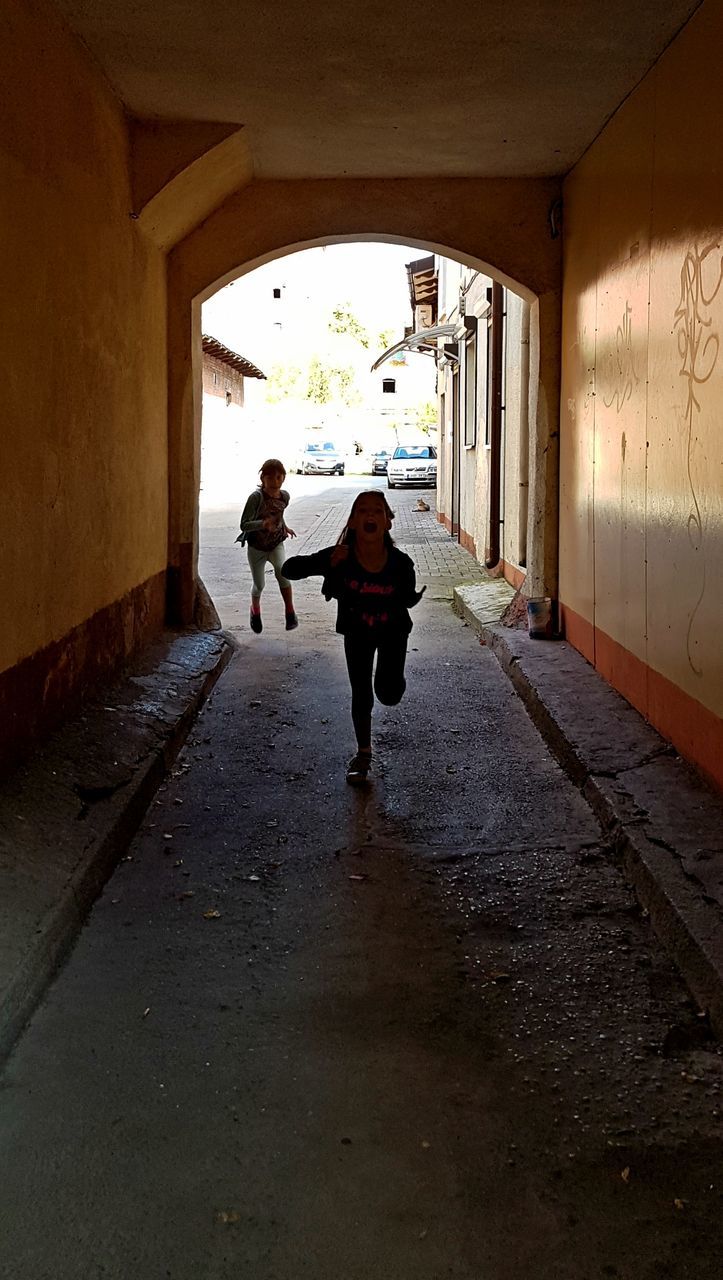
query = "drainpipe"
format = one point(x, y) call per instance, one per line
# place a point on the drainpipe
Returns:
point(524, 466)
point(492, 557)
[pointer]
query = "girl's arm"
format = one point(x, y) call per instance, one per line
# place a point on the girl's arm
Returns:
point(286, 529)
point(408, 593)
point(316, 565)
point(249, 515)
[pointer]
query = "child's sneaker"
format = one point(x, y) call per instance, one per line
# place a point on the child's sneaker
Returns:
point(256, 623)
point(358, 767)
point(292, 621)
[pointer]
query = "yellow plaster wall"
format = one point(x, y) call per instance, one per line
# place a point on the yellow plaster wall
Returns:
point(641, 486)
point(83, 482)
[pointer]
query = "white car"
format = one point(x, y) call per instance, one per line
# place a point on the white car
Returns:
point(413, 464)
point(320, 458)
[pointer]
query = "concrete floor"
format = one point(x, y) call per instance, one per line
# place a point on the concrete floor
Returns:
point(415, 1031)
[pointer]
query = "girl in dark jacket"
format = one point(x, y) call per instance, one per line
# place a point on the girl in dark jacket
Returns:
point(374, 586)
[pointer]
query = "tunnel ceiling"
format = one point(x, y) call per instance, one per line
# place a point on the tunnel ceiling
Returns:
point(492, 87)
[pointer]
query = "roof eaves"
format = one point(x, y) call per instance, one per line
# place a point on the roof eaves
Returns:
point(212, 347)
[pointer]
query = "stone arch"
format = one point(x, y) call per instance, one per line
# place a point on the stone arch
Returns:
point(499, 226)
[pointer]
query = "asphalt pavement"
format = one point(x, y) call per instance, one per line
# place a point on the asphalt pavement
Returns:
point(420, 1029)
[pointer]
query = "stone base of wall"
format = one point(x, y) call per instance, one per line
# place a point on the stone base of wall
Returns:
point(694, 730)
point(44, 689)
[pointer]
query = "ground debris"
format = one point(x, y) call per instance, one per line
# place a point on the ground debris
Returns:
point(227, 1215)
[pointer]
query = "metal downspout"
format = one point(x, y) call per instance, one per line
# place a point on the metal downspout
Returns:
point(524, 464)
point(492, 557)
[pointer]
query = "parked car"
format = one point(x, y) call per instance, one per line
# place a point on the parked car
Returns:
point(413, 464)
point(319, 458)
point(379, 462)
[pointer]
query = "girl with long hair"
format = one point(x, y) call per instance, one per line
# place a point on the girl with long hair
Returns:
point(375, 587)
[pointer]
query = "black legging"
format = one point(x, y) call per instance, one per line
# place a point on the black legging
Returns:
point(389, 682)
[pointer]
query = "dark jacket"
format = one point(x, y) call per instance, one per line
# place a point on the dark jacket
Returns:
point(386, 602)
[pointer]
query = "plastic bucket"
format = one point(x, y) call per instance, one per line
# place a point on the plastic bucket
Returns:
point(539, 618)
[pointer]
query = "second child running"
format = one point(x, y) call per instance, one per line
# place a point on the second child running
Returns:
point(375, 587)
point(264, 531)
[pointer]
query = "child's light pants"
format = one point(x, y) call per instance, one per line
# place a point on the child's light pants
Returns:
point(257, 564)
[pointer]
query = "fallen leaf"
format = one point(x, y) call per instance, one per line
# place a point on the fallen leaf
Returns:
point(178, 862)
point(212, 915)
point(679, 1204)
point(426, 1145)
point(625, 1175)
point(228, 1215)
point(358, 877)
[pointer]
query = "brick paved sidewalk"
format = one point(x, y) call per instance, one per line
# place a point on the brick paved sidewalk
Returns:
point(440, 561)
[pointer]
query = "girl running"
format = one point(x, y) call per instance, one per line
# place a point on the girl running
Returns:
point(374, 586)
point(263, 531)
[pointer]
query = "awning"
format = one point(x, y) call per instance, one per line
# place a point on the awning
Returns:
point(423, 338)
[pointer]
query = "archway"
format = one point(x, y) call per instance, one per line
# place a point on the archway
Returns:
point(499, 227)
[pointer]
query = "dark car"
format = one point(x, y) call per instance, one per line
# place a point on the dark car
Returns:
point(379, 462)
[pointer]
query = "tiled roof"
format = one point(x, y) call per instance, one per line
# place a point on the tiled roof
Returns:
point(212, 347)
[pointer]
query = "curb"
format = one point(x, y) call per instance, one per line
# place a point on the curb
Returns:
point(51, 912)
point(663, 821)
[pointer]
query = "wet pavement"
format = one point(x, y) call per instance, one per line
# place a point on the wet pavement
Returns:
point(421, 1029)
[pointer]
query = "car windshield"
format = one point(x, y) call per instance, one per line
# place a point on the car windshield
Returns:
point(414, 451)
point(320, 448)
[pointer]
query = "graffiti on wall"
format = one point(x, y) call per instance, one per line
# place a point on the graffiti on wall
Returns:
point(621, 372)
point(701, 277)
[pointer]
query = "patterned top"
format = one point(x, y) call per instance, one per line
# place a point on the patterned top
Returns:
point(259, 506)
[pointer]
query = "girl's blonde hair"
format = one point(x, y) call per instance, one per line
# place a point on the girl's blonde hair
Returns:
point(271, 464)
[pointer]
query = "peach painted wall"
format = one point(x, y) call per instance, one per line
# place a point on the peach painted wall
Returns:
point(83, 482)
point(641, 483)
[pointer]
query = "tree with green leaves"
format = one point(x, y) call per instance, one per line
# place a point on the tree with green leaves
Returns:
point(426, 414)
point(319, 389)
point(344, 321)
point(283, 382)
